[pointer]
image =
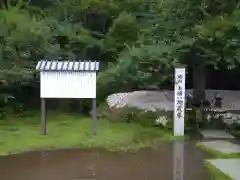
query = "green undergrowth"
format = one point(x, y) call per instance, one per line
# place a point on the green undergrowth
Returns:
point(19, 134)
point(216, 174)
point(237, 132)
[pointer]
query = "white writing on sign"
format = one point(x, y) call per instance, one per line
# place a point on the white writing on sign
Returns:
point(179, 101)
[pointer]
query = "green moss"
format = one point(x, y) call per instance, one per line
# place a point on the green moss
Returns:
point(235, 131)
point(71, 131)
point(216, 174)
point(218, 154)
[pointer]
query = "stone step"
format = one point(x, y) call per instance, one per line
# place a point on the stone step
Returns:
point(216, 134)
point(222, 146)
point(227, 166)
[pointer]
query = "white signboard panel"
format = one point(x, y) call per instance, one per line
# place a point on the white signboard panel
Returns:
point(67, 84)
point(179, 101)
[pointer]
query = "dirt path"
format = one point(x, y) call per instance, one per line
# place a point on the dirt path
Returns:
point(101, 165)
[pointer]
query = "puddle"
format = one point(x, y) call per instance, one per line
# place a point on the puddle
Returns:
point(173, 161)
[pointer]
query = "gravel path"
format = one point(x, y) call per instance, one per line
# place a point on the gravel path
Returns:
point(163, 100)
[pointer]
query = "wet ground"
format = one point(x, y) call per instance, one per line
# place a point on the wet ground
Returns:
point(147, 164)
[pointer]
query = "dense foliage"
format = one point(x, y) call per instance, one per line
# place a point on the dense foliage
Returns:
point(138, 42)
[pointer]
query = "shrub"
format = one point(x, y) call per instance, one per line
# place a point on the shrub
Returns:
point(163, 119)
point(9, 105)
point(134, 115)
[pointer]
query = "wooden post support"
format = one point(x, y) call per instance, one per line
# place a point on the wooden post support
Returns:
point(94, 116)
point(43, 116)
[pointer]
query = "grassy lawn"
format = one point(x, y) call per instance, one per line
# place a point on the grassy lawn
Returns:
point(71, 131)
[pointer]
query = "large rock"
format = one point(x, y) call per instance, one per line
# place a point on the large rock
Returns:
point(163, 100)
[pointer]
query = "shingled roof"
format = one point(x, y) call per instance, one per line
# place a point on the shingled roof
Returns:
point(46, 65)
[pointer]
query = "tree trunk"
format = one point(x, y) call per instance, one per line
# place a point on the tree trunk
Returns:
point(199, 84)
